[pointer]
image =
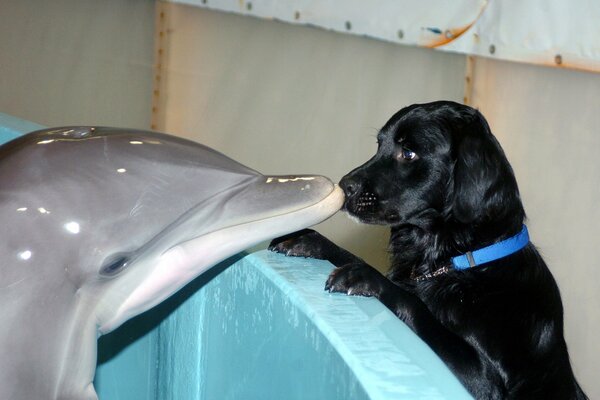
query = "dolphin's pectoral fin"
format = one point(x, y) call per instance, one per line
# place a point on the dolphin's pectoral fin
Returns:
point(88, 393)
point(91, 393)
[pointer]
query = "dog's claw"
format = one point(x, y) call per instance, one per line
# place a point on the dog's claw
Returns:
point(305, 243)
point(355, 280)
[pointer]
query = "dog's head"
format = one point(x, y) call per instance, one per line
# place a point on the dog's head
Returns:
point(436, 162)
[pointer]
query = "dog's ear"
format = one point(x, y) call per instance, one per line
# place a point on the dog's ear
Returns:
point(484, 186)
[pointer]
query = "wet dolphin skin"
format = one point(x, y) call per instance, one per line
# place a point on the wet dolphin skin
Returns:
point(101, 224)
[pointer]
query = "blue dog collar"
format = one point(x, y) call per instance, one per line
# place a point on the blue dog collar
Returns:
point(493, 252)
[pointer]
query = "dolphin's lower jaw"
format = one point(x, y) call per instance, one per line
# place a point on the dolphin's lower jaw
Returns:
point(182, 263)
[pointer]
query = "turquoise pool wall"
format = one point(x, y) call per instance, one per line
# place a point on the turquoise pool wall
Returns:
point(12, 127)
point(262, 327)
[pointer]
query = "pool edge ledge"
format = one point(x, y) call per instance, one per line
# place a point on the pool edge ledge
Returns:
point(387, 358)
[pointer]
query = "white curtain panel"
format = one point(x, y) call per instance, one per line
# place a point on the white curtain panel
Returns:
point(559, 33)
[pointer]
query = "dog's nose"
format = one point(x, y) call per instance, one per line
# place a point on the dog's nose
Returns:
point(349, 186)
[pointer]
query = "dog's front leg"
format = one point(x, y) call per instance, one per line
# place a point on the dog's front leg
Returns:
point(476, 372)
point(311, 244)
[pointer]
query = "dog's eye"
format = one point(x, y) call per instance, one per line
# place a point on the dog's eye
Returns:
point(408, 155)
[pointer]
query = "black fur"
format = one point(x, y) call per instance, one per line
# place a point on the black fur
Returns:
point(442, 183)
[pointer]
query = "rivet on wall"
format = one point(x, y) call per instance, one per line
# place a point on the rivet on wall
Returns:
point(348, 25)
point(492, 49)
point(448, 34)
point(400, 34)
point(558, 59)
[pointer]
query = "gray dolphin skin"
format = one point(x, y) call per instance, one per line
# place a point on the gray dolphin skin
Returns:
point(101, 224)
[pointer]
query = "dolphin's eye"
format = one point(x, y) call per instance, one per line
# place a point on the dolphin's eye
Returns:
point(114, 265)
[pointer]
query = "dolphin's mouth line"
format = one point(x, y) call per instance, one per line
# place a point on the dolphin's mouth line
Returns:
point(333, 189)
point(232, 192)
point(146, 247)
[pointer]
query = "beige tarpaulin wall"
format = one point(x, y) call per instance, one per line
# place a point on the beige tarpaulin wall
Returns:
point(285, 99)
point(290, 99)
point(70, 62)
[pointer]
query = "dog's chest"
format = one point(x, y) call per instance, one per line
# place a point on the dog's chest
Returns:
point(454, 304)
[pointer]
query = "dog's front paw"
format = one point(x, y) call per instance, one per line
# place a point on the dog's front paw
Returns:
point(356, 280)
point(304, 243)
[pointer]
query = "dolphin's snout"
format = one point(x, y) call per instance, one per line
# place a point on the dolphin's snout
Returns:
point(294, 192)
point(277, 195)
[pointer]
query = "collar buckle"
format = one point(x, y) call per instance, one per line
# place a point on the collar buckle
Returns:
point(470, 259)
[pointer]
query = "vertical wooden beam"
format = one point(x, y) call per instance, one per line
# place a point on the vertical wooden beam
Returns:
point(161, 45)
point(469, 80)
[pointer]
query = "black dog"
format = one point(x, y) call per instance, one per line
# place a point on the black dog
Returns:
point(441, 181)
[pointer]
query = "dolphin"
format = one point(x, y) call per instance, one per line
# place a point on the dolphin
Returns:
point(101, 224)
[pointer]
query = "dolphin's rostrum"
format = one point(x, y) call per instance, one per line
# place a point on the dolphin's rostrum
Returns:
point(101, 224)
